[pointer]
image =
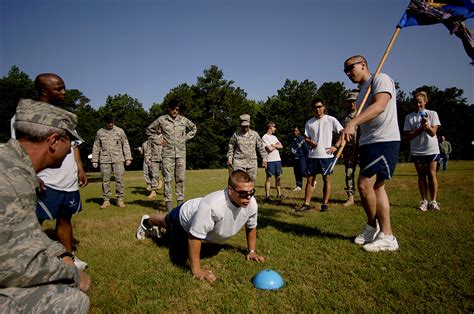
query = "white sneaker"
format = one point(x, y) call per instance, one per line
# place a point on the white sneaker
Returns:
point(142, 231)
point(423, 205)
point(367, 234)
point(297, 189)
point(434, 205)
point(382, 243)
point(80, 264)
point(155, 232)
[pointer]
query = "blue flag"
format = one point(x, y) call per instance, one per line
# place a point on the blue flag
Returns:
point(451, 13)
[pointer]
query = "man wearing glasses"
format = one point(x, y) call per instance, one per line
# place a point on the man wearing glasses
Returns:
point(379, 144)
point(215, 218)
point(176, 130)
point(318, 135)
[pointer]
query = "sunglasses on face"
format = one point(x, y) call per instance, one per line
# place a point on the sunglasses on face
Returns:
point(244, 194)
point(350, 67)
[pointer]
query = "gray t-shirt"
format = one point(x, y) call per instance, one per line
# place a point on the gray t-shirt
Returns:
point(215, 219)
point(384, 127)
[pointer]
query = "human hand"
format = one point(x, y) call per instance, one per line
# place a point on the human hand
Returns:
point(205, 275)
point(84, 281)
point(128, 162)
point(331, 150)
point(255, 257)
point(264, 164)
point(349, 132)
point(41, 185)
point(95, 165)
point(83, 180)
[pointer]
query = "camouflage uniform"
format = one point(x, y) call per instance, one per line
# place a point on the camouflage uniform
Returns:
point(32, 277)
point(243, 152)
point(110, 150)
point(153, 156)
point(146, 167)
point(176, 132)
point(350, 159)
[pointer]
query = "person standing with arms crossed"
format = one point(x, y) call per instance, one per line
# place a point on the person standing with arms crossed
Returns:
point(111, 150)
point(243, 147)
point(176, 130)
point(420, 128)
point(299, 150)
point(379, 145)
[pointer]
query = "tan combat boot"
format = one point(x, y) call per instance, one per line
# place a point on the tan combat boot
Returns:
point(105, 204)
point(148, 187)
point(152, 195)
point(160, 185)
point(120, 203)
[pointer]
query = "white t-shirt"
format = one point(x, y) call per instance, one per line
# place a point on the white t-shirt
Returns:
point(320, 131)
point(63, 178)
point(269, 140)
point(215, 219)
point(423, 144)
point(384, 127)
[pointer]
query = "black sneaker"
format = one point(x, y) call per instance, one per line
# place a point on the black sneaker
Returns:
point(324, 207)
point(268, 199)
point(303, 208)
point(281, 197)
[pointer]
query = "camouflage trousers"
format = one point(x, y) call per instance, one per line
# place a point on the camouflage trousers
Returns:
point(118, 169)
point(147, 173)
point(251, 167)
point(155, 168)
point(57, 298)
point(174, 168)
point(350, 164)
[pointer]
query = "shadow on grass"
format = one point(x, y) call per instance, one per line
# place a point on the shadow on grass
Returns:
point(95, 200)
point(155, 204)
point(139, 190)
point(297, 229)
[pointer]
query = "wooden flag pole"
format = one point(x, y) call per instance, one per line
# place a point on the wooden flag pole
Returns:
point(369, 89)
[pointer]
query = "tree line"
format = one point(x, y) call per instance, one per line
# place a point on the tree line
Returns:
point(214, 104)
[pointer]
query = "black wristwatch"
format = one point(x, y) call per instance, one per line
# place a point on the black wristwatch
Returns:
point(66, 254)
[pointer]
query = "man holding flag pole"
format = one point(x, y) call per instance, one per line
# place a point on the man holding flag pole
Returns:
point(378, 151)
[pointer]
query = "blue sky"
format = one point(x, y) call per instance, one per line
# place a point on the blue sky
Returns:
point(146, 47)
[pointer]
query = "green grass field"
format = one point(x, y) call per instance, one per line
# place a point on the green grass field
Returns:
point(323, 270)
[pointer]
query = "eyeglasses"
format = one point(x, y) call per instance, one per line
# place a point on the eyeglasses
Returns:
point(244, 194)
point(350, 67)
point(73, 143)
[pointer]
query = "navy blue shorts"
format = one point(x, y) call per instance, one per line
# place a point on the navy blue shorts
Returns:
point(425, 160)
point(379, 158)
point(54, 203)
point(176, 237)
point(320, 166)
point(274, 169)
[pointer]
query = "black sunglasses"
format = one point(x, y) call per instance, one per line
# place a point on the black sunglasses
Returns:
point(244, 194)
point(350, 67)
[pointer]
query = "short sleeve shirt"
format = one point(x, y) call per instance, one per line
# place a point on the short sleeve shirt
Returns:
point(423, 144)
point(321, 131)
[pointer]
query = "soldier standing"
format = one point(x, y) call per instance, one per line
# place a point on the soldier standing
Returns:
point(176, 131)
point(243, 146)
point(143, 150)
point(111, 150)
point(37, 274)
point(154, 160)
point(350, 150)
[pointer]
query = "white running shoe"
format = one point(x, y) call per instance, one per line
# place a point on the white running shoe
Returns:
point(423, 205)
point(80, 264)
point(382, 243)
point(142, 231)
point(297, 189)
point(434, 205)
point(367, 234)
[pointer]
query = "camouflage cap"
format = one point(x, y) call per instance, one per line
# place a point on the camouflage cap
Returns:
point(245, 120)
point(352, 96)
point(38, 112)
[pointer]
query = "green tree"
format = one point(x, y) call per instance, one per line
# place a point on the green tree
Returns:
point(13, 87)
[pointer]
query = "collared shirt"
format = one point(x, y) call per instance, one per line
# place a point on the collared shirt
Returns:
point(111, 146)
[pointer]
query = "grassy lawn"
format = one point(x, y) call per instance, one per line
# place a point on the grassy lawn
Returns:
point(322, 269)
